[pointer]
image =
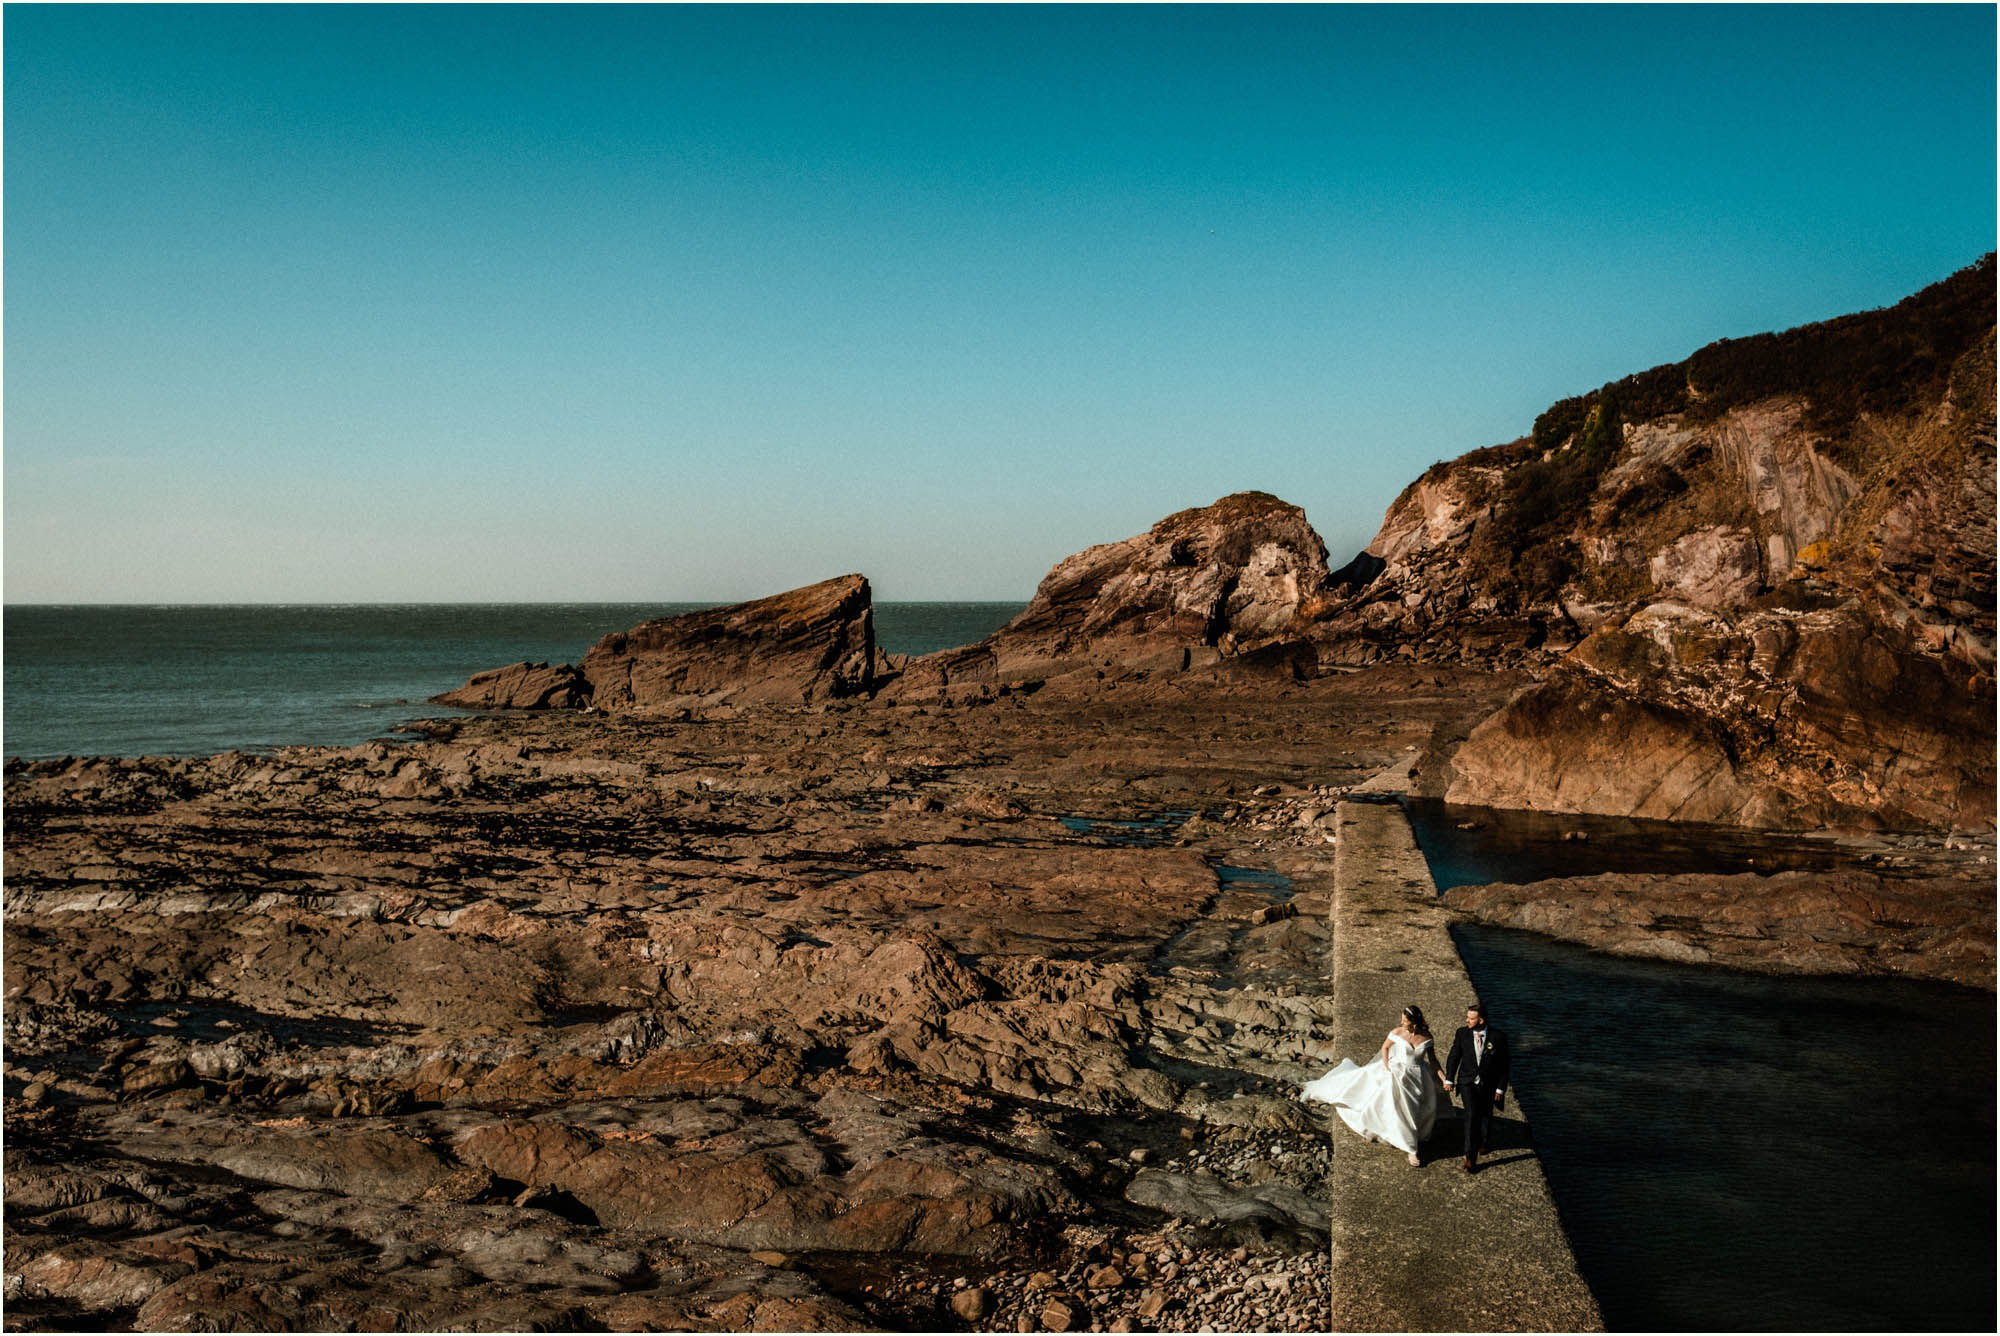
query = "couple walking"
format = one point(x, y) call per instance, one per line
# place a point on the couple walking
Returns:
point(1396, 1099)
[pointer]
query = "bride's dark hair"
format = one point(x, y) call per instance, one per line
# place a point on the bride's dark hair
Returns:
point(1416, 1015)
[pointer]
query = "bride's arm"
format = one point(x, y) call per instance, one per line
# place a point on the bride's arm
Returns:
point(1387, 1041)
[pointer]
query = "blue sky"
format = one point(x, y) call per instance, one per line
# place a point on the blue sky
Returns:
point(378, 302)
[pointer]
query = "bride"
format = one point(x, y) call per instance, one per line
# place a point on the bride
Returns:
point(1395, 1100)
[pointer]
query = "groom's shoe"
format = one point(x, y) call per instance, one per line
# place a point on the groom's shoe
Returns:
point(1471, 1168)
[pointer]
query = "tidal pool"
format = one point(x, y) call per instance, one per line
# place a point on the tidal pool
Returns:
point(1734, 1151)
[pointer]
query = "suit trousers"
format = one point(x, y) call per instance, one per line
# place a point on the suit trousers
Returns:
point(1478, 1117)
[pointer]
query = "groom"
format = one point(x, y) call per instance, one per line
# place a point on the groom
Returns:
point(1478, 1063)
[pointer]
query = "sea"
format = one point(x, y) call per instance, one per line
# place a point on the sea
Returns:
point(174, 680)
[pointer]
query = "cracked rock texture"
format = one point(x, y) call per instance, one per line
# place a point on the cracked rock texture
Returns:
point(1199, 586)
point(768, 1017)
point(1775, 611)
point(812, 643)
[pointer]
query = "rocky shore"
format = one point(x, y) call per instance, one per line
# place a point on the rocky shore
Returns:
point(743, 976)
point(860, 1014)
point(767, 1017)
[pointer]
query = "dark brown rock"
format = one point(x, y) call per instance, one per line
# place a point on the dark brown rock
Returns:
point(1778, 719)
point(1201, 584)
point(812, 643)
point(522, 686)
point(157, 1076)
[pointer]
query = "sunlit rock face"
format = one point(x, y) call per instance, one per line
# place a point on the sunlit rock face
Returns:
point(1759, 594)
point(1200, 585)
point(812, 643)
point(1772, 718)
point(809, 644)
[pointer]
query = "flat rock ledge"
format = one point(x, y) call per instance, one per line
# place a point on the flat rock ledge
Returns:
point(1789, 923)
point(1399, 1235)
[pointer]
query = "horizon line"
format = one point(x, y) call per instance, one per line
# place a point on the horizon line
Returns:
point(459, 602)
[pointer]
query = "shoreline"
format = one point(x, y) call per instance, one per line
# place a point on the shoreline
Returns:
point(835, 951)
point(855, 951)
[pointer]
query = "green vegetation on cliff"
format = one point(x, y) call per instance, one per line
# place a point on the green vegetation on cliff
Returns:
point(1882, 363)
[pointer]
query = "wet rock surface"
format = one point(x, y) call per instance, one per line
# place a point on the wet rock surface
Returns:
point(761, 1018)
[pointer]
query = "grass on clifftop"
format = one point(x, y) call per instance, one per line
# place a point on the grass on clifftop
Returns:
point(1850, 372)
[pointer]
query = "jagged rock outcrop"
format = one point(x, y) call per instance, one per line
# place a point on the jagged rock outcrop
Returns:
point(522, 686)
point(1200, 586)
point(808, 644)
point(1855, 454)
point(1761, 582)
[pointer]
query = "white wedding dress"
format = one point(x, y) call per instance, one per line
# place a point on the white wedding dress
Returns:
point(1398, 1105)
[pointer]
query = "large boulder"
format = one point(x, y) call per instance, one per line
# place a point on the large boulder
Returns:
point(809, 644)
point(1201, 585)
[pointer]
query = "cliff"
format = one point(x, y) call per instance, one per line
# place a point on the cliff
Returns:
point(1853, 456)
point(1756, 586)
point(1760, 581)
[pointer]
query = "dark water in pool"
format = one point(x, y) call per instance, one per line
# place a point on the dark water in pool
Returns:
point(1533, 846)
point(1733, 1151)
point(1739, 1152)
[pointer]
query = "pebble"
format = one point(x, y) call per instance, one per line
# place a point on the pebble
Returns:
point(1063, 1315)
point(1236, 1289)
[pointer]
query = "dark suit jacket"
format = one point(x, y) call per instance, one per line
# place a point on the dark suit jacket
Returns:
point(1493, 1068)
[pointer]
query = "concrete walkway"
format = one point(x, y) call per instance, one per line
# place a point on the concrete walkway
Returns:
point(1429, 1249)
